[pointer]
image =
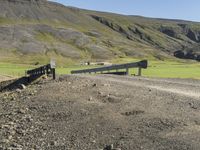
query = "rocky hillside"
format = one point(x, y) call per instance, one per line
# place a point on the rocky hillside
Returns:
point(38, 30)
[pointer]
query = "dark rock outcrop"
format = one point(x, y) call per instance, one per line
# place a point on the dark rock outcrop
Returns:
point(169, 31)
point(195, 36)
point(187, 55)
point(179, 54)
point(111, 25)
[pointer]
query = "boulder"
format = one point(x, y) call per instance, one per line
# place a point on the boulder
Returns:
point(179, 54)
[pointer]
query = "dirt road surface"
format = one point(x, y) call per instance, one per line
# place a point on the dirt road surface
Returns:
point(108, 112)
point(4, 78)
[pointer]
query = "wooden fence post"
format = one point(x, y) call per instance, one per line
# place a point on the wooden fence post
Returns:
point(127, 71)
point(139, 71)
point(54, 73)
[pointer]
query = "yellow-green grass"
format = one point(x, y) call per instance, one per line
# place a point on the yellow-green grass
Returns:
point(173, 70)
point(15, 70)
point(162, 69)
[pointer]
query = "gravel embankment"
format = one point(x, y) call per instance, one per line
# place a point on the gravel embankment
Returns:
point(102, 112)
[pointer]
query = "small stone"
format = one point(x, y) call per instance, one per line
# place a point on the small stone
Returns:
point(22, 86)
point(90, 99)
point(44, 77)
point(53, 143)
point(32, 93)
point(16, 145)
point(21, 111)
point(11, 123)
point(10, 137)
point(18, 90)
point(108, 85)
point(13, 98)
point(94, 85)
point(12, 132)
point(109, 147)
point(100, 93)
point(29, 119)
point(192, 105)
point(5, 141)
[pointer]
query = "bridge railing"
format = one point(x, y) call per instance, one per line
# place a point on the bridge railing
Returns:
point(37, 72)
point(140, 65)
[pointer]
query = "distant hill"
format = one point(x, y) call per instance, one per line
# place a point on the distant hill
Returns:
point(37, 30)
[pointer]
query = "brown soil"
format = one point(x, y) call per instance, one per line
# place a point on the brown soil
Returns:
point(102, 112)
point(5, 78)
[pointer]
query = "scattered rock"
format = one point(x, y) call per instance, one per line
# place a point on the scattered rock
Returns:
point(94, 85)
point(13, 98)
point(21, 111)
point(100, 93)
point(10, 137)
point(5, 141)
point(53, 143)
point(94, 141)
point(109, 147)
point(134, 112)
point(90, 99)
point(192, 105)
point(22, 86)
point(29, 118)
point(15, 145)
point(107, 85)
point(44, 77)
point(18, 90)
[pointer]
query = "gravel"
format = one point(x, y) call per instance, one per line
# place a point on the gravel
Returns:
point(102, 112)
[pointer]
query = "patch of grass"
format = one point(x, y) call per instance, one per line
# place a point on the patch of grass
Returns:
point(15, 70)
point(172, 69)
point(45, 37)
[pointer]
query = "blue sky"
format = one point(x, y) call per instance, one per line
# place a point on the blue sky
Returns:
point(172, 9)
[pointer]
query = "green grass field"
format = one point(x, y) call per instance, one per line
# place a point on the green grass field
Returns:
point(163, 69)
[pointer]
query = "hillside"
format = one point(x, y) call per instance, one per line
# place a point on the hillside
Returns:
point(37, 30)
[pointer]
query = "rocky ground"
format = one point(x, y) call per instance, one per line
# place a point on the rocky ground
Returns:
point(102, 112)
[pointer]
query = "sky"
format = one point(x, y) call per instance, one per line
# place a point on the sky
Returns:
point(170, 9)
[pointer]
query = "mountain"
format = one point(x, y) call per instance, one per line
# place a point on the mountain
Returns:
point(37, 30)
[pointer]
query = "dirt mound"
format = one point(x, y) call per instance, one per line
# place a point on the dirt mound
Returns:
point(101, 112)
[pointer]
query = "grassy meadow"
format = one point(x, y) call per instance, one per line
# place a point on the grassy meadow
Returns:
point(163, 69)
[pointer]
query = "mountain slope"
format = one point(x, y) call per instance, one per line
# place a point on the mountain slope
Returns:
point(38, 30)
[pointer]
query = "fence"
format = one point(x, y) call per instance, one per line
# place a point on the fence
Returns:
point(46, 69)
point(140, 65)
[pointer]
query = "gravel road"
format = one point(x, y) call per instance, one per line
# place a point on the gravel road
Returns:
point(4, 78)
point(82, 112)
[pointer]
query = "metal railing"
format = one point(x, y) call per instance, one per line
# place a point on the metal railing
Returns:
point(46, 69)
point(140, 65)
